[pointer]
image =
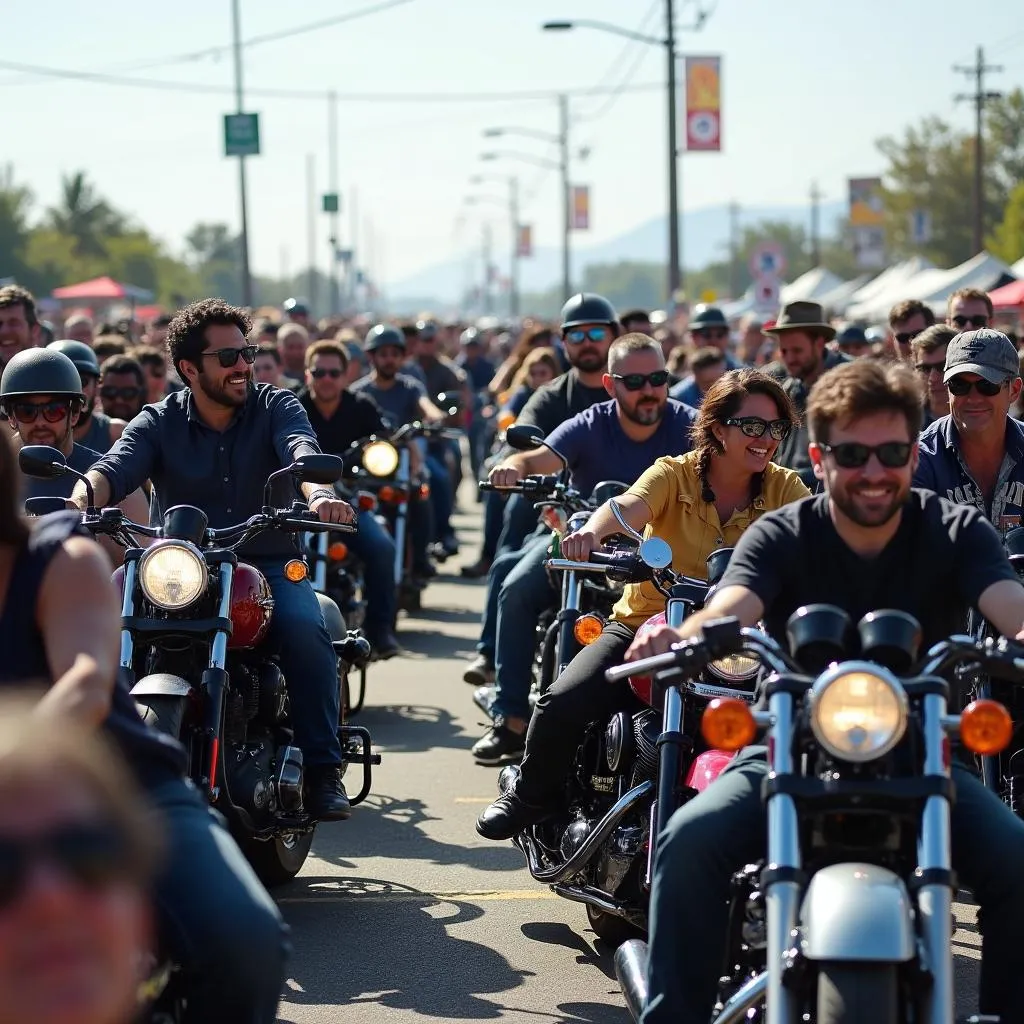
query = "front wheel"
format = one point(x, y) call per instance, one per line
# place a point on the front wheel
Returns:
point(858, 994)
point(278, 860)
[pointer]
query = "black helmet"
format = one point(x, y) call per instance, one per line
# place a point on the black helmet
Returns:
point(40, 371)
point(707, 316)
point(587, 308)
point(79, 353)
point(300, 306)
point(852, 335)
point(382, 335)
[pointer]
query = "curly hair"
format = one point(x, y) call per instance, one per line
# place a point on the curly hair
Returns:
point(186, 333)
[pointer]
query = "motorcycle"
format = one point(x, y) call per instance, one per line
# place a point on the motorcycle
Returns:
point(852, 906)
point(193, 618)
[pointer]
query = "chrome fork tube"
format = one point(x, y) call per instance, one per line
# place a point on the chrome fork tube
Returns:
point(131, 571)
point(401, 512)
point(219, 647)
point(571, 594)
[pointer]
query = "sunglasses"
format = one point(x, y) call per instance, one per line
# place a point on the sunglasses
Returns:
point(970, 321)
point(960, 386)
point(110, 391)
point(577, 337)
point(906, 337)
point(52, 412)
point(227, 357)
point(712, 332)
point(320, 374)
point(852, 455)
point(754, 426)
point(636, 381)
point(155, 369)
point(93, 856)
point(925, 369)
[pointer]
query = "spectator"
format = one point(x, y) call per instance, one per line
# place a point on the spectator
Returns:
point(707, 365)
point(968, 309)
point(267, 368)
point(122, 387)
point(292, 342)
point(157, 333)
point(154, 367)
point(19, 325)
point(539, 337)
point(79, 328)
point(636, 321)
point(928, 350)
point(853, 342)
point(107, 345)
point(539, 367)
point(906, 321)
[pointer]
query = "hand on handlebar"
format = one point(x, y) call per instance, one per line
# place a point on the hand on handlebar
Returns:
point(504, 475)
point(577, 546)
point(333, 510)
point(659, 640)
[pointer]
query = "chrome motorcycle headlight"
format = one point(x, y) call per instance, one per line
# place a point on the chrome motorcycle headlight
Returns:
point(172, 574)
point(735, 667)
point(380, 458)
point(858, 711)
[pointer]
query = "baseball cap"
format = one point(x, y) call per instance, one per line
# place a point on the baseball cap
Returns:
point(988, 353)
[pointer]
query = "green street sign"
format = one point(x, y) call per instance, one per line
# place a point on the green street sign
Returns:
point(241, 134)
point(331, 202)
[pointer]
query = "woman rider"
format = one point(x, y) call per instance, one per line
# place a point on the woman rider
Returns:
point(698, 502)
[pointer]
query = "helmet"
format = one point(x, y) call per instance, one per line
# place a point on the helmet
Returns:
point(299, 306)
point(707, 316)
point(852, 335)
point(382, 335)
point(427, 328)
point(470, 336)
point(587, 308)
point(79, 353)
point(40, 371)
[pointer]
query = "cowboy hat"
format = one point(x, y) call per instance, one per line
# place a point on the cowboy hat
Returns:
point(802, 316)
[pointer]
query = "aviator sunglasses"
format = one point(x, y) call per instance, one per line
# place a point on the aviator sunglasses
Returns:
point(960, 386)
point(852, 455)
point(111, 391)
point(754, 426)
point(636, 381)
point(227, 357)
point(28, 412)
point(577, 336)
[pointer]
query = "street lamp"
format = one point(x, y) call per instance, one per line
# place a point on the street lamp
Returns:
point(675, 273)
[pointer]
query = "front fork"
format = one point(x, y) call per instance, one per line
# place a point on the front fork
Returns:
point(401, 514)
point(568, 614)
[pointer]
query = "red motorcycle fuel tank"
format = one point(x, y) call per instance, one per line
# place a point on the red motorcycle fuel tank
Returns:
point(251, 607)
point(643, 685)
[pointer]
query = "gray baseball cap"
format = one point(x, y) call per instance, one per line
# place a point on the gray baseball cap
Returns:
point(988, 353)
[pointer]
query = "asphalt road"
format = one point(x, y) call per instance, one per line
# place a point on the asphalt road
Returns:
point(403, 909)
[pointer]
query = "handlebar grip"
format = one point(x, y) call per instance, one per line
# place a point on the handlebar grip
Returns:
point(689, 653)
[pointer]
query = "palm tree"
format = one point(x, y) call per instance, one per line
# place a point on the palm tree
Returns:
point(83, 216)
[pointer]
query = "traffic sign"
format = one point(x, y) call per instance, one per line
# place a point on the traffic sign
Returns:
point(767, 294)
point(768, 260)
point(708, 295)
point(241, 134)
point(331, 202)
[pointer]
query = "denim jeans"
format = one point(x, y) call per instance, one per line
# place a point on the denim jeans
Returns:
point(440, 496)
point(522, 599)
point(496, 576)
point(310, 667)
point(519, 521)
point(723, 828)
point(494, 514)
point(215, 916)
point(375, 547)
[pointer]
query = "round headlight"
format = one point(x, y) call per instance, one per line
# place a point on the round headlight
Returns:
point(735, 667)
point(858, 711)
point(172, 574)
point(380, 458)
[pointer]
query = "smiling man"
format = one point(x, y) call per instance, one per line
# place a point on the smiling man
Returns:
point(19, 326)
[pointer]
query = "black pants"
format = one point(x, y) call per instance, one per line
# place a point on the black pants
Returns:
point(219, 921)
point(578, 696)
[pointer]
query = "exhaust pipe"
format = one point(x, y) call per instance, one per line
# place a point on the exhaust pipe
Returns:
point(631, 970)
point(602, 901)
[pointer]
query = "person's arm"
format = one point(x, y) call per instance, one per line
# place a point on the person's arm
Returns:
point(429, 411)
point(125, 467)
point(79, 615)
point(1002, 604)
point(567, 438)
point(577, 546)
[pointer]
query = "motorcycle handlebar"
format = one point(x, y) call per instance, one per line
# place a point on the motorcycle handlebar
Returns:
point(691, 654)
point(529, 484)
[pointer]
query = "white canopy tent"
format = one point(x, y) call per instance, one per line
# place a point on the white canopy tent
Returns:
point(901, 281)
point(983, 271)
point(1018, 268)
point(840, 297)
point(810, 287)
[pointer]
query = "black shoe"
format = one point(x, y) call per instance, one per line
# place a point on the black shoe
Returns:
point(508, 816)
point(326, 799)
point(385, 646)
point(477, 570)
point(499, 745)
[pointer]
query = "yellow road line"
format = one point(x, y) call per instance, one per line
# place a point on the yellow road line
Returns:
point(482, 896)
point(474, 799)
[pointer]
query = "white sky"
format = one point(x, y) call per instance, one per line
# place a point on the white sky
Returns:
point(808, 86)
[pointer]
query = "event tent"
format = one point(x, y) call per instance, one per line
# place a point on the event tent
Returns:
point(810, 287)
point(878, 296)
point(101, 289)
point(983, 271)
point(839, 297)
point(1010, 296)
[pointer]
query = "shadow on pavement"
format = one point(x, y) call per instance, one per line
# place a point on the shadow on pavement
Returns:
point(394, 950)
point(420, 644)
point(411, 728)
point(558, 933)
point(390, 827)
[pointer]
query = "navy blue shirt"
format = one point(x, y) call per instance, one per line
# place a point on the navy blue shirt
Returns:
point(81, 458)
point(942, 469)
point(597, 447)
point(400, 403)
point(222, 473)
point(480, 371)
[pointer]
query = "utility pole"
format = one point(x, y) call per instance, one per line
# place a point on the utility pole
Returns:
point(486, 294)
point(979, 98)
point(244, 239)
point(513, 276)
point(734, 246)
point(815, 226)
point(351, 271)
point(332, 184)
point(563, 135)
point(311, 227)
point(675, 272)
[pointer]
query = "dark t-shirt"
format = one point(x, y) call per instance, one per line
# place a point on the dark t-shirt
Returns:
point(941, 559)
point(400, 402)
point(356, 417)
point(561, 399)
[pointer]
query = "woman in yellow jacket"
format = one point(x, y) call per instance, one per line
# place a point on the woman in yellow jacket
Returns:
point(699, 503)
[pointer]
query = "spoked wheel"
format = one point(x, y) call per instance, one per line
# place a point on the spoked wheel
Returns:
point(278, 861)
point(858, 994)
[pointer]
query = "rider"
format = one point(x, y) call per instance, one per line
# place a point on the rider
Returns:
point(614, 440)
point(95, 429)
point(698, 502)
point(975, 455)
point(340, 417)
point(122, 387)
point(868, 542)
point(708, 328)
point(213, 445)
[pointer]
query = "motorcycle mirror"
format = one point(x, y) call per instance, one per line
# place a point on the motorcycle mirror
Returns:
point(717, 562)
point(318, 469)
point(656, 553)
point(42, 462)
point(621, 520)
point(43, 506)
point(524, 437)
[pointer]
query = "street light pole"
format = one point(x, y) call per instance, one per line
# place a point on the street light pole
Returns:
point(332, 174)
point(513, 277)
point(675, 270)
point(563, 137)
point(244, 237)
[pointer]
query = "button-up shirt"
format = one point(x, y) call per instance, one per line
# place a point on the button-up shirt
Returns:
point(221, 472)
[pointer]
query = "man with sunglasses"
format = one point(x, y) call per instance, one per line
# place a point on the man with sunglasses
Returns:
point(213, 445)
point(906, 321)
point(870, 541)
point(975, 455)
point(969, 309)
point(122, 387)
point(708, 329)
point(928, 355)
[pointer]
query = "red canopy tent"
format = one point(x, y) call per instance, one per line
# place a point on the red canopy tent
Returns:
point(1010, 296)
point(101, 289)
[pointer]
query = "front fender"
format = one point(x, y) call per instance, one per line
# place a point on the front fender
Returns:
point(857, 912)
point(162, 684)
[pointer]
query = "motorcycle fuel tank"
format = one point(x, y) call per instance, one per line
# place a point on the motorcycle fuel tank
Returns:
point(251, 606)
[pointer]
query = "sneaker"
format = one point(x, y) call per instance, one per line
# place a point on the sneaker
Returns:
point(499, 745)
point(479, 672)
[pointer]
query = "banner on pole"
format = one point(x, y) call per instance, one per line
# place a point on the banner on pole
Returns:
point(703, 128)
point(580, 207)
point(524, 240)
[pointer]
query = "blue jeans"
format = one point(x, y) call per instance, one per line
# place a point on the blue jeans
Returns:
point(522, 599)
point(440, 496)
point(496, 575)
point(520, 520)
point(494, 514)
point(376, 549)
point(310, 667)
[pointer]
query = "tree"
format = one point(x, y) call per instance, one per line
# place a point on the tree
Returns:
point(1007, 242)
point(83, 217)
point(15, 205)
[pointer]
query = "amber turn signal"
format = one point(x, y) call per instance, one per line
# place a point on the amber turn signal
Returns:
point(366, 502)
point(295, 571)
point(337, 552)
point(985, 727)
point(505, 420)
point(728, 724)
point(587, 628)
point(387, 494)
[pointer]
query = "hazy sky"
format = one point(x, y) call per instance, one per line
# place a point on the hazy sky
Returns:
point(808, 86)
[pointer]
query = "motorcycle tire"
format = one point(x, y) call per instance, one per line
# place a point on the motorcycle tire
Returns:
point(165, 714)
point(277, 861)
point(611, 928)
point(858, 994)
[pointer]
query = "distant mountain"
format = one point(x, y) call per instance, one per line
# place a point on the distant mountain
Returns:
point(705, 239)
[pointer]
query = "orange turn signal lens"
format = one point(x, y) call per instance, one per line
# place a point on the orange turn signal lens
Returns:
point(337, 552)
point(366, 501)
point(424, 492)
point(295, 571)
point(587, 628)
point(387, 494)
point(505, 420)
point(728, 724)
point(985, 727)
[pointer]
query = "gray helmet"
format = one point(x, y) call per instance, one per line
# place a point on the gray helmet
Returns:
point(40, 371)
point(588, 308)
point(79, 353)
point(383, 335)
point(471, 336)
point(298, 306)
